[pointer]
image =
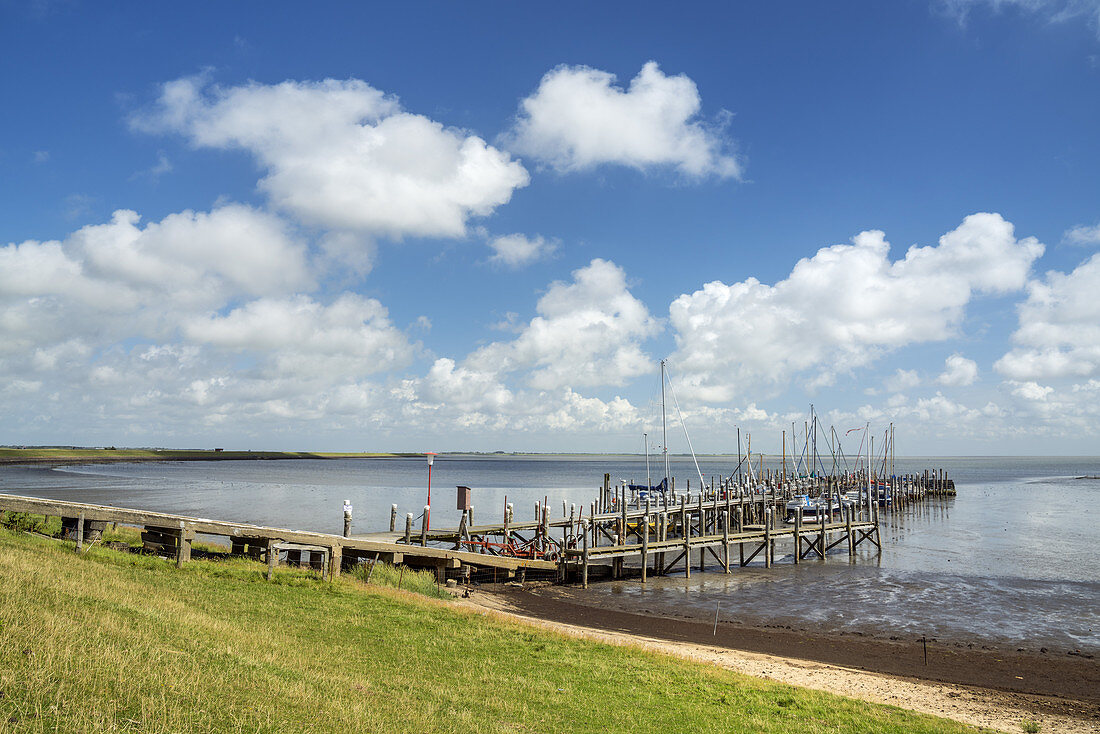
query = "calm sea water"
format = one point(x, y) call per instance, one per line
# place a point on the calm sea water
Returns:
point(1011, 560)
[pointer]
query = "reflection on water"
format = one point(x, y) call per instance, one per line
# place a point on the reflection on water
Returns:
point(1009, 559)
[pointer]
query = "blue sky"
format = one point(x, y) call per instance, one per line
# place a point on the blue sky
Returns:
point(443, 226)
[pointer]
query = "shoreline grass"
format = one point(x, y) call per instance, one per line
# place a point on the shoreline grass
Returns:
point(110, 641)
point(108, 455)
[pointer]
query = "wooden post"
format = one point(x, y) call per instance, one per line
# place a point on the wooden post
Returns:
point(347, 518)
point(424, 525)
point(272, 558)
point(80, 532)
point(622, 509)
point(584, 559)
point(848, 530)
point(686, 527)
point(336, 559)
point(393, 518)
point(662, 535)
point(821, 546)
point(726, 541)
point(767, 538)
point(645, 546)
point(408, 528)
point(183, 550)
point(741, 529)
point(798, 533)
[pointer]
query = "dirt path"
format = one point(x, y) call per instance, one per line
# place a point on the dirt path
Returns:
point(981, 707)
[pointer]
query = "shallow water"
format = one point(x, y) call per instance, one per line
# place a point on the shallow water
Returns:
point(1010, 560)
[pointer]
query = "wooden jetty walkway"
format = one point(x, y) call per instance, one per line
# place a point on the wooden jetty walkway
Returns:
point(622, 534)
point(172, 535)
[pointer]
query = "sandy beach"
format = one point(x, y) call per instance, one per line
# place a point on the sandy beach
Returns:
point(983, 687)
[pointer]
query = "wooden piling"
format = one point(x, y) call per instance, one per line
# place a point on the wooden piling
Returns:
point(821, 536)
point(797, 534)
point(80, 532)
point(584, 556)
point(272, 557)
point(767, 540)
point(848, 530)
point(645, 546)
point(725, 541)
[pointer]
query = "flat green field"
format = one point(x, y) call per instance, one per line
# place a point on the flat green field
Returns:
point(111, 641)
point(39, 455)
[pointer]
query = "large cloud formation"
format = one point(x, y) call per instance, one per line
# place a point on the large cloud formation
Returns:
point(841, 308)
point(578, 119)
point(1059, 329)
point(343, 155)
point(587, 333)
point(125, 321)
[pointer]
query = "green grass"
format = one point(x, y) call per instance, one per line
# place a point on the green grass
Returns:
point(16, 456)
point(110, 641)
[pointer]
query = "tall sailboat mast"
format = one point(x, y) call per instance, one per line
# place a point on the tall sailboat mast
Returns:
point(664, 426)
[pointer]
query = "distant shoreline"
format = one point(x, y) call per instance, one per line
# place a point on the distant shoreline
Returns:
point(111, 456)
point(79, 455)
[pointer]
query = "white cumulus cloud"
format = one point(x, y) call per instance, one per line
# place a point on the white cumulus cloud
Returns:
point(517, 250)
point(841, 308)
point(1059, 327)
point(958, 371)
point(902, 380)
point(1082, 235)
point(343, 155)
point(578, 119)
point(587, 333)
point(1031, 390)
point(352, 336)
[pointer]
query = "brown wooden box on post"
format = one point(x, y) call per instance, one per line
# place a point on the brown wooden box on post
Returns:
point(463, 498)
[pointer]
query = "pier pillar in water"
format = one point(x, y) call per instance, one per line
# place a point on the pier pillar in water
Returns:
point(725, 541)
point(347, 518)
point(797, 534)
point(768, 547)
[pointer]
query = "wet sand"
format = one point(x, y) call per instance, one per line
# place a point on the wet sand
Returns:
point(984, 687)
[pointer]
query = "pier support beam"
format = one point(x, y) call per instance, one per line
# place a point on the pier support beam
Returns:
point(726, 540)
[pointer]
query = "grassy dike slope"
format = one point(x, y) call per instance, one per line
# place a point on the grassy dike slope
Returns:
point(117, 642)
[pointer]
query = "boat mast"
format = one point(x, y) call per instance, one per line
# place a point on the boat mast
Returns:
point(867, 468)
point(813, 424)
point(664, 426)
point(645, 442)
point(784, 456)
point(739, 455)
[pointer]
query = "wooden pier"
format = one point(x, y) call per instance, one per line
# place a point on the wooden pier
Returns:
point(620, 535)
point(172, 535)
